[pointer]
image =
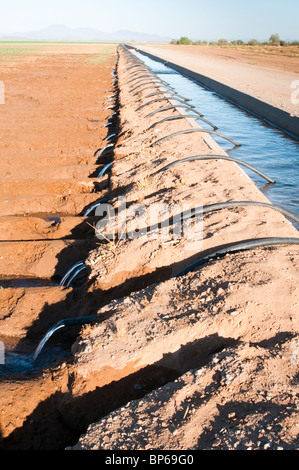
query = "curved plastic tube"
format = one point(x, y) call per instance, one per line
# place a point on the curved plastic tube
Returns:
point(142, 73)
point(191, 131)
point(182, 116)
point(143, 82)
point(190, 106)
point(133, 66)
point(168, 108)
point(95, 205)
point(175, 94)
point(99, 153)
point(130, 60)
point(65, 277)
point(47, 336)
point(110, 99)
point(138, 73)
point(75, 275)
point(146, 75)
point(139, 67)
point(113, 114)
point(217, 157)
point(168, 87)
point(231, 204)
point(103, 171)
point(143, 68)
point(109, 137)
point(155, 80)
point(58, 326)
point(147, 88)
point(239, 246)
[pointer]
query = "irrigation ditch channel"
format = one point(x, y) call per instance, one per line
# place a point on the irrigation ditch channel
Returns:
point(125, 321)
point(271, 114)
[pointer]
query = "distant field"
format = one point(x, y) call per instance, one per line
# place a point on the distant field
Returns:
point(17, 50)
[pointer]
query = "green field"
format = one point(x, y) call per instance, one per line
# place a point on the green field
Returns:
point(95, 52)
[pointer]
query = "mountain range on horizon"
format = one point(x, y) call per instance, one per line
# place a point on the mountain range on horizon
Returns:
point(65, 33)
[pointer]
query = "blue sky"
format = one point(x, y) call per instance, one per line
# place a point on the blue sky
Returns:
point(198, 19)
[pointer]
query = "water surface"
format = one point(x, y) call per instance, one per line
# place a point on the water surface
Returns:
point(263, 146)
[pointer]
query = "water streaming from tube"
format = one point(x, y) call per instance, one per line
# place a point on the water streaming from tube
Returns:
point(46, 338)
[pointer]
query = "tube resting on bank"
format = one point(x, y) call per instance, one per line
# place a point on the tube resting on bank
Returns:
point(216, 157)
point(239, 246)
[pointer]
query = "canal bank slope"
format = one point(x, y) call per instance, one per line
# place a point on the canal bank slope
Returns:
point(261, 84)
point(217, 346)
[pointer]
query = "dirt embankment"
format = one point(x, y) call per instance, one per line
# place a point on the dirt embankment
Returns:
point(227, 331)
point(204, 360)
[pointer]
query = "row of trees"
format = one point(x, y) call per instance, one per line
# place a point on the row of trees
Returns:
point(274, 40)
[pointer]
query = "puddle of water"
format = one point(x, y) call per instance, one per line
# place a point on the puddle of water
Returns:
point(18, 359)
point(263, 146)
point(19, 363)
point(26, 282)
point(53, 219)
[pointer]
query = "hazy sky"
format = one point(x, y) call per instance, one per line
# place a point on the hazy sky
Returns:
point(198, 19)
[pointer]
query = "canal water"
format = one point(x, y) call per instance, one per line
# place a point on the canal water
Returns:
point(263, 146)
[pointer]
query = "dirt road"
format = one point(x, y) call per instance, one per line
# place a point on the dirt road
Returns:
point(264, 74)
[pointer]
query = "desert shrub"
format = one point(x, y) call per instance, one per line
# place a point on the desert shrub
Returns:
point(253, 42)
point(222, 42)
point(274, 39)
point(237, 42)
point(185, 41)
